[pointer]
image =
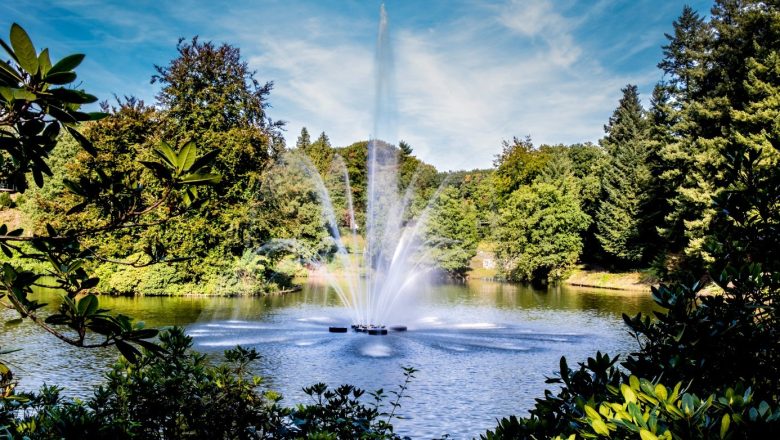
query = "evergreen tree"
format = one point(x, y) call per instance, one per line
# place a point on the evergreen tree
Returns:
point(451, 232)
point(717, 89)
point(304, 140)
point(320, 153)
point(405, 148)
point(685, 55)
point(624, 181)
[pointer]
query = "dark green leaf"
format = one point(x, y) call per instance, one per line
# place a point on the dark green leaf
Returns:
point(60, 78)
point(90, 283)
point(84, 142)
point(87, 305)
point(128, 351)
point(204, 160)
point(68, 63)
point(37, 177)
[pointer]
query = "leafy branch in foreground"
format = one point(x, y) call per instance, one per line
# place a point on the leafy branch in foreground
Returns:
point(37, 103)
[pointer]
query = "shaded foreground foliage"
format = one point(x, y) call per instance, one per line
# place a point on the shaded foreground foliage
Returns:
point(179, 394)
point(707, 366)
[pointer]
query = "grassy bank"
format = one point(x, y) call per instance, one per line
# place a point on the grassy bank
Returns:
point(639, 280)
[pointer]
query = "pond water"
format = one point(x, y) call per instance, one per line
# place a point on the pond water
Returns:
point(482, 349)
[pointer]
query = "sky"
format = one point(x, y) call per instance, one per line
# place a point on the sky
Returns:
point(466, 74)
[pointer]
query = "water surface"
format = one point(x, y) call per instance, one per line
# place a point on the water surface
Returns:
point(483, 349)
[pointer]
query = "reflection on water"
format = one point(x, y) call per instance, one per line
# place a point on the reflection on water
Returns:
point(483, 349)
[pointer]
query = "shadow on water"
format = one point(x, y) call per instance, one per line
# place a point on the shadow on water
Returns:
point(483, 349)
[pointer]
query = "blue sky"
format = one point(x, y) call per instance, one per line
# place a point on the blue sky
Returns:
point(467, 73)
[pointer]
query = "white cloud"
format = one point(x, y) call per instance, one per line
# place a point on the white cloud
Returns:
point(460, 89)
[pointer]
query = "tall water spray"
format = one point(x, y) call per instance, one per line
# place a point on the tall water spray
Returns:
point(373, 282)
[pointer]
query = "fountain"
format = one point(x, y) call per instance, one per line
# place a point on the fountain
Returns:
point(376, 281)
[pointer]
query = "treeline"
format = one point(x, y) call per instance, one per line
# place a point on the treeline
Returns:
point(645, 195)
point(640, 198)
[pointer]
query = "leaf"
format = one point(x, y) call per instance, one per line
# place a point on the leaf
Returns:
point(59, 78)
point(90, 283)
point(8, 71)
point(84, 142)
point(591, 413)
point(201, 179)
point(186, 157)
point(23, 95)
point(204, 160)
point(724, 425)
point(37, 177)
point(158, 169)
point(24, 49)
point(628, 393)
point(68, 63)
point(73, 96)
point(600, 427)
point(44, 62)
point(128, 351)
point(647, 435)
point(87, 305)
point(166, 153)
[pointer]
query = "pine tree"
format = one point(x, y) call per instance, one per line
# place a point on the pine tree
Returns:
point(321, 153)
point(451, 232)
point(304, 140)
point(625, 181)
point(685, 55)
point(718, 88)
point(405, 148)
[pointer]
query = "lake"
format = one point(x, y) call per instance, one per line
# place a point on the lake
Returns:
point(483, 349)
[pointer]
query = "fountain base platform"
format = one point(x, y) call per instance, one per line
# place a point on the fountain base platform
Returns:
point(374, 330)
point(337, 329)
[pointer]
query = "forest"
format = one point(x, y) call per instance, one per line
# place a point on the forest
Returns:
point(185, 194)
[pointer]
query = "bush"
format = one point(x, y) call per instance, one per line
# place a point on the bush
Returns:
point(6, 201)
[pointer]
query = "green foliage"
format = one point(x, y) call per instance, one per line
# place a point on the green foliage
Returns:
point(518, 164)
point(35, 108)
point(625, 182)
point(539, 232)
point(451, 232)
point(32, 114)
point(6, 202)
point(651, 411)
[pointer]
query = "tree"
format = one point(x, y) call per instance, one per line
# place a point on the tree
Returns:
point(539, 234)
point(321, 153)
point(451, 232)
point(304, 140)
point(34, 107)
point(209, 95)
point(624, 181)
point(405, 148)
point(686, 55)
point(518, 164)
